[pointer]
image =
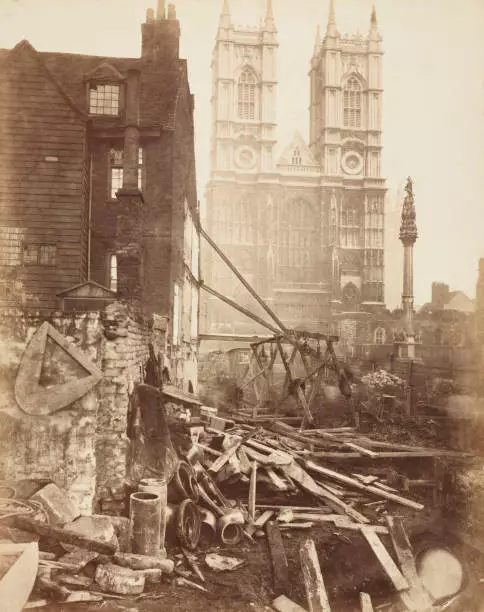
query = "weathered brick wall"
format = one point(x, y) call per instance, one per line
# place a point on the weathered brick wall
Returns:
point(81, 448)
point(126, 350)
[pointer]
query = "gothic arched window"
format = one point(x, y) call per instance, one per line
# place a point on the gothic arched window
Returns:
point(352, 103)
point(296, 157)
point(380, 335)
point(247, 95)
point(297, 242)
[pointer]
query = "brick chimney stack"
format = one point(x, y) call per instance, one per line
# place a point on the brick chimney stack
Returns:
point(160, 36)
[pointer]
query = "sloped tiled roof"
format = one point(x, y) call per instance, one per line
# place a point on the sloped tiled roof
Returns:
point(160, 82)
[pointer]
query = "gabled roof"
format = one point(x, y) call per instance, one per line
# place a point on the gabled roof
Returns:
point(297, 144)
point(87, 289)
point(105, 71)
point(458, 300)
point(9, 56)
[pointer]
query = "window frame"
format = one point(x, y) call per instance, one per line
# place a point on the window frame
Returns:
point(112, 280)
point(380, 336)
point(93, 87)
point(39, 246)
point(296, 157)
point(119, 165)
point(352, 103)
point(247, 95)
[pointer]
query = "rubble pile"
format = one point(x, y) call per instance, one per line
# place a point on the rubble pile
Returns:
point(233, 484)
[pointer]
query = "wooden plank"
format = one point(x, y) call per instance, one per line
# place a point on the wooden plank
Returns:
point(244, 460)
point(417, 597)
point(307, 483)
point(252, 489)
point(398, 579)
point(284, 604)
point(365, 602)
point(218, 464)
point(263, 518)
point(277, 481)
point(366, 479)
point(57, 534)
point(360, 449)
point(340, 520)
point(362, 487)
point(313, 579)
point(332, 430)
point(278, 556)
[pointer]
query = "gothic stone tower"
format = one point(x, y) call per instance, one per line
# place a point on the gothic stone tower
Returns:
point(345, 138)
point(244, 83)
point(307, 229)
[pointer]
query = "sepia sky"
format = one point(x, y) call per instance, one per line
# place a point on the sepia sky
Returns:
point(433, 78)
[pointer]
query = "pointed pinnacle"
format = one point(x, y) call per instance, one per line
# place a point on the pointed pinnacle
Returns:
point(226, 8)
point(317, 40)
point(331, 29)
point(269, 11)
point(373, 16)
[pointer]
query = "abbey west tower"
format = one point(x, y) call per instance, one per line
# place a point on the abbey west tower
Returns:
point(305, 229)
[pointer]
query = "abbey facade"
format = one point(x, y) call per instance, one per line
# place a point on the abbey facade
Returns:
point(306, 229)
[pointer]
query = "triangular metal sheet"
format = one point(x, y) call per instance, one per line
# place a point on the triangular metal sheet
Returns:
point(37, 400)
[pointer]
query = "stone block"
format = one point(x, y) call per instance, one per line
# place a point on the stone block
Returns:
point(121, 526)
point(119, 580)
point(96, 526)
point(59, 508)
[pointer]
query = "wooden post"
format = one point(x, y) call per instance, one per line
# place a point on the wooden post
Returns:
point(300, 394)
point(287, 378)
point(365, 602)
point(278, 557)
point(313, 579)
point(241, 309)
point(249, 288)
point(416, 598)
point(253, 371)
point(252, 490)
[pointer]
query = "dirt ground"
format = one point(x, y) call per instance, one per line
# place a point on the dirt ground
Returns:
point(347, 562)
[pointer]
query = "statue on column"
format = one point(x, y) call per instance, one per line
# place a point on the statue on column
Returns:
point(408, 228)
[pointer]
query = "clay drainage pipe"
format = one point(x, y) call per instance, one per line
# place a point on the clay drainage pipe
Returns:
point(230, 527)
point(145, 518)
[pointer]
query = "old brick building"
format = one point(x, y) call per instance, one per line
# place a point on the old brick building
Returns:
point(97, 179)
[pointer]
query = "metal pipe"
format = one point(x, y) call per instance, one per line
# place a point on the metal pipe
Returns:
point(230, 527)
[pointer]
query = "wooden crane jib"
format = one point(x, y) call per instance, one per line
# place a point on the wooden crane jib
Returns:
point(298, 340)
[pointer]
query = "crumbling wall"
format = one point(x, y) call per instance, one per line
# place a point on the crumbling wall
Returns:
point(60, 446)
point(126, 351)
point(81, 448)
